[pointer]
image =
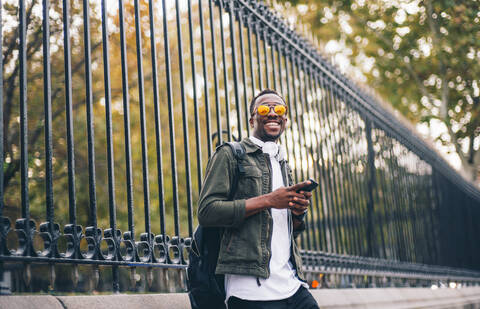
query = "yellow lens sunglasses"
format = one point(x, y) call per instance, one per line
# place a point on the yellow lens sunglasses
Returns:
point(279, 109)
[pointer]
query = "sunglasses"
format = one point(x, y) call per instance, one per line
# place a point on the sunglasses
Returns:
point(279, 109)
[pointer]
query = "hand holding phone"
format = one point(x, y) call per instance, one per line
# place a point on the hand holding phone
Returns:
point(300, 210)
point(309, 188)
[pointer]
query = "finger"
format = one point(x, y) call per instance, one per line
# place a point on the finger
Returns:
point(301, 201)
point(299, 206)
point(297, 195)
point(307, 195)
point(297, 212)
point(299, 186)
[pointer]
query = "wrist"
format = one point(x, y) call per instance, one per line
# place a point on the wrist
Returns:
point(255, 205)
point(268, 201)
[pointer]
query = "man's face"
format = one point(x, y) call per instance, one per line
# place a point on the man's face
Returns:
point(270, 126)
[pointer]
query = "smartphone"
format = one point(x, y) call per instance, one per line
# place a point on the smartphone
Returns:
point(313, 184)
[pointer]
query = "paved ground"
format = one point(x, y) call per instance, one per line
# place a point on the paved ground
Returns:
point(392, 298)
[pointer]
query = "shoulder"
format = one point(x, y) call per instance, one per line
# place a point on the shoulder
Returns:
point(223, 155)
point(221, 162)
point(228, 148)
point(223, 150)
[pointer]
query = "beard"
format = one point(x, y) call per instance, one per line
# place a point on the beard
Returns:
point(272, 137)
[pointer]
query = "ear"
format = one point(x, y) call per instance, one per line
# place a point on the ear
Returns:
point(250, 121)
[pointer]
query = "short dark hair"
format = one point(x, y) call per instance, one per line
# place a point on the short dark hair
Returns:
point(265, 91)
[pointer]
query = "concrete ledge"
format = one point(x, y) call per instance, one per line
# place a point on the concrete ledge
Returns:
point(396, 298)
point(144, 301)
point(30, 302)
point(391, 298)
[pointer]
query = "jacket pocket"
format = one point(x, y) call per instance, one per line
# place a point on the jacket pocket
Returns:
point(242, 246)
point(227, 239)
point(250, 184)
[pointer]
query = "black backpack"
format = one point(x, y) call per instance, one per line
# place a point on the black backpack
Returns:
point(206, 290)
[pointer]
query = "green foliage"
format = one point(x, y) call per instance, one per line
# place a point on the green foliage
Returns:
point(36, 135)
point(424, 59)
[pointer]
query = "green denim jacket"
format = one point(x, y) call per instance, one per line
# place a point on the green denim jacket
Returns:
point(245, 247)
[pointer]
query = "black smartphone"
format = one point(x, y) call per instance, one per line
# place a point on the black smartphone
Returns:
point(313, 184)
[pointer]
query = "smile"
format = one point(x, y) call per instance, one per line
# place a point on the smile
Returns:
point(272, 124)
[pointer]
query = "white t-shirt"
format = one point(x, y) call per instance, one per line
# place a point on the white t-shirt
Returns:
point(282, 282)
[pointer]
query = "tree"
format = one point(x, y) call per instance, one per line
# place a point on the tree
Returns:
point(421, 56)
point(35, 112)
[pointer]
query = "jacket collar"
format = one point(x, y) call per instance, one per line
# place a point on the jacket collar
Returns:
point(251, 146)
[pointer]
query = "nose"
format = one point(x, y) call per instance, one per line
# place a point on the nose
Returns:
point(271, 112)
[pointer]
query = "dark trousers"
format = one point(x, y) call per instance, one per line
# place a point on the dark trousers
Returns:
point(302, 299)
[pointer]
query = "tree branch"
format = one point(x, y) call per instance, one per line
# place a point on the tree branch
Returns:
point(407, 65)
point(437, 46)
point(14, 166)
point(10, 81)
point(455, 142)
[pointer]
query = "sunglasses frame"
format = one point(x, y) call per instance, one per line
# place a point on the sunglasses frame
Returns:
point(270, 108)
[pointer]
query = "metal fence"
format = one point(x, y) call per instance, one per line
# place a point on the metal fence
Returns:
point(134, 97)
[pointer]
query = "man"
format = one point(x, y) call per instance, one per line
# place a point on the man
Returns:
point(258, 254)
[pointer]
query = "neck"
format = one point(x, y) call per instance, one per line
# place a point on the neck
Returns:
point(266, 138)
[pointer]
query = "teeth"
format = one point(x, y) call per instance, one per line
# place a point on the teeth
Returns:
point(272, 124)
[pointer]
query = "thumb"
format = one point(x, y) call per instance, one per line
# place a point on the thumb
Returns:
point(299, 186)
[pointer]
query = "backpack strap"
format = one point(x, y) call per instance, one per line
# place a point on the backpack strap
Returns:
point(239, 153)
point(206, 288)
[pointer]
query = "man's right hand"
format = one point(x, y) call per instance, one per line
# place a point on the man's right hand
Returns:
point(287, 197)
point(284, 197)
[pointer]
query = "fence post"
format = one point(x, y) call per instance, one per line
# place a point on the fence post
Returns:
point(371, 184)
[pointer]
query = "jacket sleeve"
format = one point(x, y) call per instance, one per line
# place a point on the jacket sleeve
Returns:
point(214, 208)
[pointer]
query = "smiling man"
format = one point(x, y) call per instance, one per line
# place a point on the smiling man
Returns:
point(261, 212)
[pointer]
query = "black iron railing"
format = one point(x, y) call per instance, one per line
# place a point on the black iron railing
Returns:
point(126, 105)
